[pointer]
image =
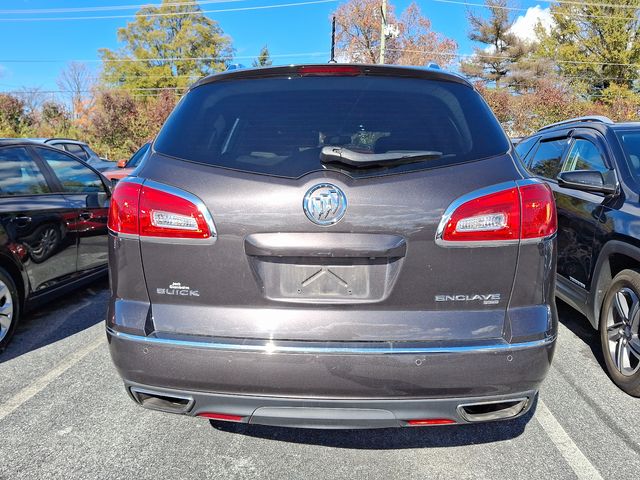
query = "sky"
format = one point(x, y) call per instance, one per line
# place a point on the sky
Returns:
point(33, 52)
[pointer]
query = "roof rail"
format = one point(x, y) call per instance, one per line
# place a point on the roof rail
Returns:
point(592, 118)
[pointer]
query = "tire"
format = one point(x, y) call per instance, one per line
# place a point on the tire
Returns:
point(619, 331)
point(9, 308)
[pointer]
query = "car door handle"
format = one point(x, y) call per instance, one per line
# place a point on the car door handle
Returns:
point(86, 215)
point(22, 220)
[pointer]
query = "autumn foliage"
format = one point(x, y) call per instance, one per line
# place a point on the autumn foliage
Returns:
point(586, 64)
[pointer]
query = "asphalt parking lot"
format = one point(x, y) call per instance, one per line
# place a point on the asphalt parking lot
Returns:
point(64, 414)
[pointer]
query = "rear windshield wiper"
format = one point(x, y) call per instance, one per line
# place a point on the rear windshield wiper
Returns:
point(332, 154)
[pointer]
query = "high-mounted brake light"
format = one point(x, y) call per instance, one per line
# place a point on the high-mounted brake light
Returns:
point(152, 211)
point(329, 70)
point(511, 214)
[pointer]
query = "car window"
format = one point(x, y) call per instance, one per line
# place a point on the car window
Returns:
point(73, 176)
point(631, 146)
point(547, 159)
point(76, 150)
point(90, 153)
point(20, 174)
point(278, 126)
point(584, 155)
point(525, 146)
point(134, 161)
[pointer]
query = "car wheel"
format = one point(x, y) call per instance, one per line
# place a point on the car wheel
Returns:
point(9, 308)
point(619, 324)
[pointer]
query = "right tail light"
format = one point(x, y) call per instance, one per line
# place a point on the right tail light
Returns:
point(517, 212)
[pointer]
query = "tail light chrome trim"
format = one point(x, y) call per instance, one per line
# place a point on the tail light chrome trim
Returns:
point(448, 213)
point(189, 197)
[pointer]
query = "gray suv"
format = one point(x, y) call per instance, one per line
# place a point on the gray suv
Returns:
point(333, 246)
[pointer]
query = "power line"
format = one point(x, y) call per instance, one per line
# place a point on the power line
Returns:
point(120, 89)
point(111, 7)
point(482, 55)
point(169, 59)
point(166, 14)
point(520, 9)
point(304, 54)
point(589, 4)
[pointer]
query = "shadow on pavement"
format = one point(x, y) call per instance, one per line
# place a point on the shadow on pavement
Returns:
point(58, 319)
point(388, 438)
point(581, 328)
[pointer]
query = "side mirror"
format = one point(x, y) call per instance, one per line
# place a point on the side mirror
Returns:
point(122, 163)
point(589, 181)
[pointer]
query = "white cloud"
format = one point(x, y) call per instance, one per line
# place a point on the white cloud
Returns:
point(525, 25)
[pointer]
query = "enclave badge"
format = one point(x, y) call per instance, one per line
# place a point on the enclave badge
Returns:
point(324, 204)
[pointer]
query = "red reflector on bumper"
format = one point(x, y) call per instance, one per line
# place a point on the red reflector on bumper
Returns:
point(221, 416)
point(430, 421)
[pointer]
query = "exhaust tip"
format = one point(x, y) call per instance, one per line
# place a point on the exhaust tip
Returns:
point(161, 400)
point(498, 410)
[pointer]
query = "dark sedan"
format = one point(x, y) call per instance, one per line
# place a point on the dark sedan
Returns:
point(53, 227)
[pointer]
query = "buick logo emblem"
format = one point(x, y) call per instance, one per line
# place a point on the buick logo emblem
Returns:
point(324, 204)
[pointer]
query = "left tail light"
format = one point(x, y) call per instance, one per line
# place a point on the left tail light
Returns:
point(157, 211)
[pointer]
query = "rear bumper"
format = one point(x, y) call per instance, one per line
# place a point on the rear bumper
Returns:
point(324, 385)
point(335, 413)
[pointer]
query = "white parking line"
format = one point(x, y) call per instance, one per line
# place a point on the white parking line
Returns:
point(41, 383)
point(578, 462)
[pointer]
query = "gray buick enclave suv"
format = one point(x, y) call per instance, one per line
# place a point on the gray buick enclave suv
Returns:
point(333, 246)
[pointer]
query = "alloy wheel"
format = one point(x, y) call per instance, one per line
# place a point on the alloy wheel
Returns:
point(623, 319)
point(6, 310)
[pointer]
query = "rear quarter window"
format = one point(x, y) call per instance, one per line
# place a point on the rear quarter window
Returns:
point(547, 159)
point(630, 140)
point(278, 126)
point(524, 147)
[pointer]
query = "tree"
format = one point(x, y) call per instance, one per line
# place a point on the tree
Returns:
point(114, 121)
point(595, 44)
point(502, 48)
point(358, 25)
point(168, 46)
point(75, 81)
point(264, 58)
point(55, 120)
point(13, 117)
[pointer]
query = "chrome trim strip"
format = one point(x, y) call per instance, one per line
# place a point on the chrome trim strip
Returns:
point(275, 348)
point(446, 216)
point(132, 180)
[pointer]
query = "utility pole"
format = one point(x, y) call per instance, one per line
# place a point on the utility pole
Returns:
point(333, 41)
point(383, 30)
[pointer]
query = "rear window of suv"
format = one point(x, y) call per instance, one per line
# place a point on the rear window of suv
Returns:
point(278, 126)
